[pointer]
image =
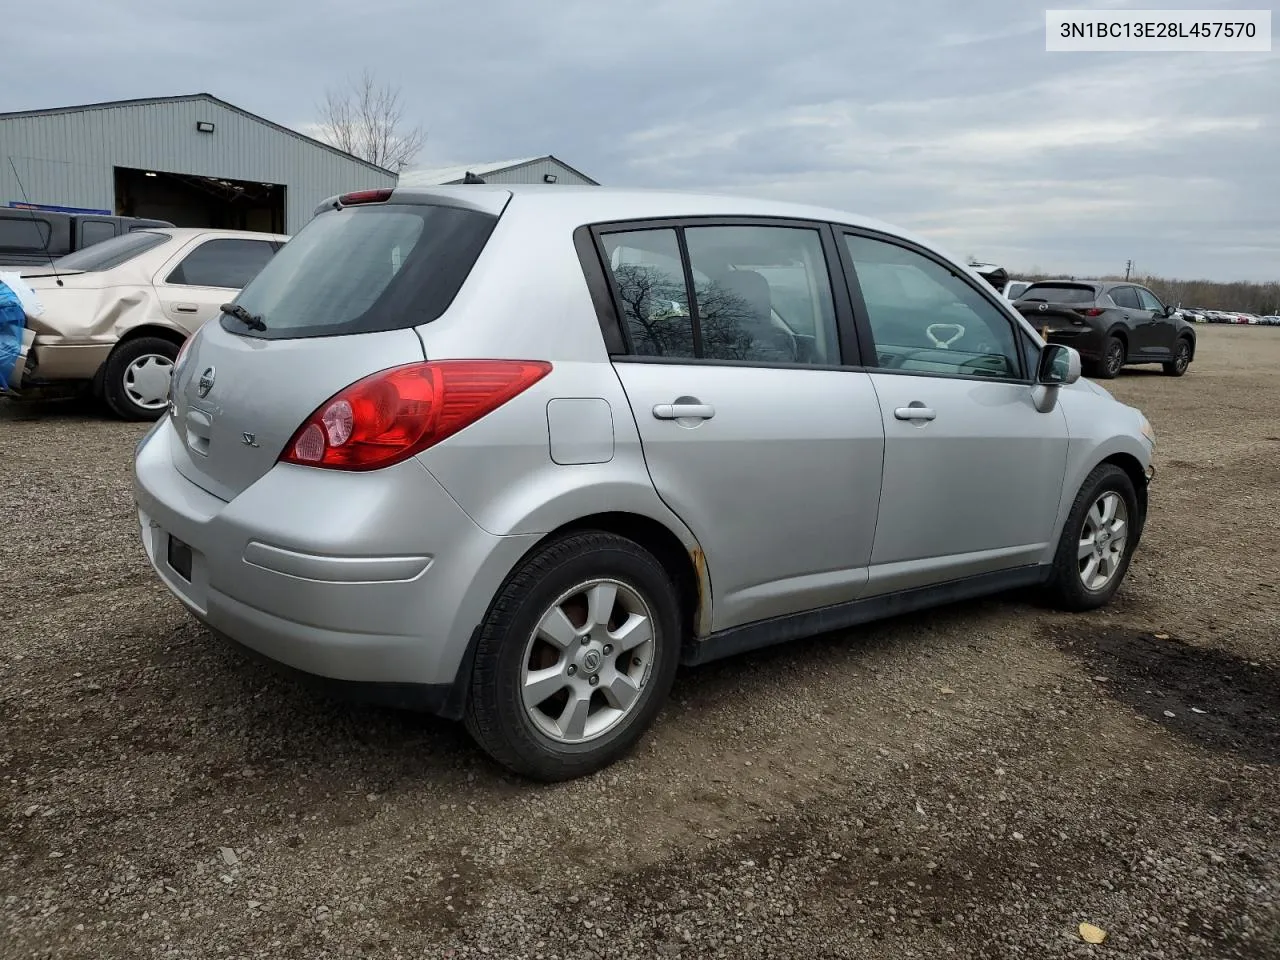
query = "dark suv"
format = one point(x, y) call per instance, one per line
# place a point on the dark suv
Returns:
point(1111, 324)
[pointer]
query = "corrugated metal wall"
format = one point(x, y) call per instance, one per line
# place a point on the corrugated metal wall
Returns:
point(534, 172)
point(68, 158)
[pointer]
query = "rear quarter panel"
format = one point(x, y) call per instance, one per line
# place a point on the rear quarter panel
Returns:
point(527, 298)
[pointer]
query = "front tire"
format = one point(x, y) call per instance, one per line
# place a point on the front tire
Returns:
point(1181, 358)
point(575, 657)
point(1097, 542)
point(135, 378)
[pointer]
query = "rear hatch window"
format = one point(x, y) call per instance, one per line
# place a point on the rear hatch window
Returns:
point(1060, 293)
point(364, 269)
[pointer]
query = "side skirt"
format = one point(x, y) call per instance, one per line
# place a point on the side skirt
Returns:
point(841, 616)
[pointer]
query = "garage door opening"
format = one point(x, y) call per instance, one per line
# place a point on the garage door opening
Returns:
point(191, 201)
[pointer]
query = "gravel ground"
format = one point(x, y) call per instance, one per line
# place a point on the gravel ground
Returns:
point(973, 782)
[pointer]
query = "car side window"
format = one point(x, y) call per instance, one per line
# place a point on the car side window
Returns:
point(1149, 301)
point(1126, 297)
point(648, 276)
point(224, 262)
point(926, 319)
point(763, 294)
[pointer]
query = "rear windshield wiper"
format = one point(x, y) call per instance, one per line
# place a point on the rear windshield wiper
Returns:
point(250, 320)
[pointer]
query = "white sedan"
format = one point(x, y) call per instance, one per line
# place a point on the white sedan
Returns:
point(116, 313)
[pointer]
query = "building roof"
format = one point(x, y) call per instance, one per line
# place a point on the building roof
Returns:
point(147, 101)
point(438, 176)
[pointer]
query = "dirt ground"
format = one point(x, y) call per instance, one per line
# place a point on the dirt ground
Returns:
point(972, 782)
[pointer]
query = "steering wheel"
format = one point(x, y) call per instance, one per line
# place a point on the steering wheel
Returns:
point(944, 344)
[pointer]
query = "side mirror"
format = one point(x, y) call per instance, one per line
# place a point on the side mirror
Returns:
point(1170, 310)
point(1059, 365)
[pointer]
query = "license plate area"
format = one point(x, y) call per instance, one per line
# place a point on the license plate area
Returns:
point(179, 558)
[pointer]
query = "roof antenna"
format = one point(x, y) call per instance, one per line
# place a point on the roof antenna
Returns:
point(34, 221)
point(471, 178)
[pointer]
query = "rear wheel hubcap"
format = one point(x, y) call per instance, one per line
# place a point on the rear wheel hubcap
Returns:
point(146, 381)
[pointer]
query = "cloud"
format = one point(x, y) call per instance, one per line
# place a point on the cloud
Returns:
point(949, 119)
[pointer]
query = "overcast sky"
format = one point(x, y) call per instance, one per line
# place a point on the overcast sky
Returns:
point(947, 118)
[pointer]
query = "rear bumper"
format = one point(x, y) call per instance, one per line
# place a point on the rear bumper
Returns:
point(59, 359)
point(376, 580)
point(1089, 343)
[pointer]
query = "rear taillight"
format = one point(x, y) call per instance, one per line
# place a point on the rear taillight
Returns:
point(392, 415)
point(1093, 312)
point(364, 196)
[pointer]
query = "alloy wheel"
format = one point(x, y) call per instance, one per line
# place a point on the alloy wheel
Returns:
point(1102, 541)
point(1115, 358)
point(1182, 359)
point(587, 661)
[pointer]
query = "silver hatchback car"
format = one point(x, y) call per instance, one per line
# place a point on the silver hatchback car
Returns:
point(511, 455)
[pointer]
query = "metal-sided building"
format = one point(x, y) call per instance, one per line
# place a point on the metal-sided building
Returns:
point(546, 169)
point(196, 161)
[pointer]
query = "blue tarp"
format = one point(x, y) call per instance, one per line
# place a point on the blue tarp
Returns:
point(12, 321)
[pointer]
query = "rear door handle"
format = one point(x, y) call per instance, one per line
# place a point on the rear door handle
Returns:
point(681, 411)
point(914, 413)
point(185, 308)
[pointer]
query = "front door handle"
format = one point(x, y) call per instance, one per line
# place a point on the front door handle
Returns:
point(914, 412)
point(682, 411)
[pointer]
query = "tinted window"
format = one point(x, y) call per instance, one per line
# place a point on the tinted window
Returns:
point(364, 269)
point(95, 231)
point(926, 319)
point(24, 233)
point(1017, 289)
point(653, 302)
point(1126, 297)
point(1059, 293)
point(111, 253)
point(1149, 301)
point(763, 294)
point(222, 263)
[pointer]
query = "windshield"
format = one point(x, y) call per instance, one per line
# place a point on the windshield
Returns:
point(1059, 293)
point(111, 253)
point(365, 269)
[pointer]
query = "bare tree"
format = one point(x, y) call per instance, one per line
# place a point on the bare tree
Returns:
point(366, 119)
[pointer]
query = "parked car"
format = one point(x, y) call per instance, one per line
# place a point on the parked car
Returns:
point(117, 312)
point(1270, 321)
point(1014, 289)
point(34, 237)
point(510, 455)
point(1111, 324)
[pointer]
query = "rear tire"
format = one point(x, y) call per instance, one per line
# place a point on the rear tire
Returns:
point(135, 378)
point(554, 618)
point(1181, 358)
point(1113, 357)
point(1076, 584)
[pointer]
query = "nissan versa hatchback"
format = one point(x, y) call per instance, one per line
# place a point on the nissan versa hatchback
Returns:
point(512, 455)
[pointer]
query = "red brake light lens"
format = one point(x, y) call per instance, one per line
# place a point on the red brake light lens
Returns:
point(1093, 312)
point(364, 196)
point(390, 416)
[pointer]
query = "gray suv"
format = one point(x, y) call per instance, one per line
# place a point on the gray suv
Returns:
point(512, 455)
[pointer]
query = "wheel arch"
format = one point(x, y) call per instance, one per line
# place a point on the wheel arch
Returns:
point(686, 565)
point(1137, 475)
point(174, 336)
point(1190, 337)
point(1122, 334)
